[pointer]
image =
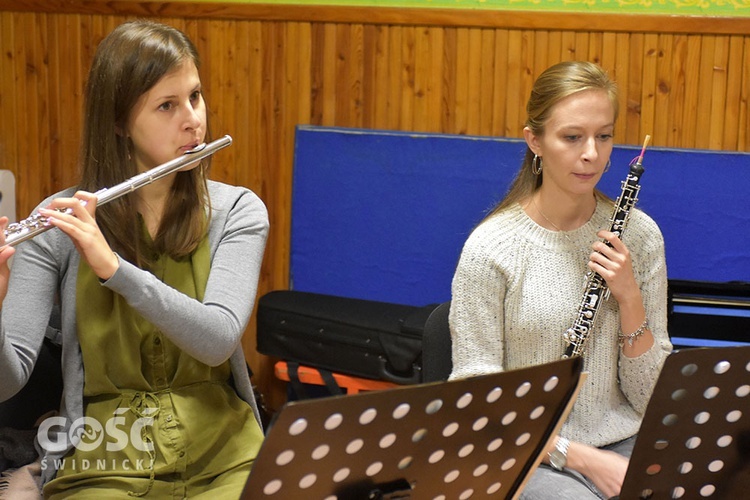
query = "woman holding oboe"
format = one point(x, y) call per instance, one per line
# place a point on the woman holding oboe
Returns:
point(519, 282)
point(155, 289)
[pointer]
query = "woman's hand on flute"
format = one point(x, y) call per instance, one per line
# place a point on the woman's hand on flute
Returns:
point(79, 223)
point(5, 255)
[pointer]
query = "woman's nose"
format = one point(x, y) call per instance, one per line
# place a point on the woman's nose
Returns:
point(590, 151)
point(193, 117)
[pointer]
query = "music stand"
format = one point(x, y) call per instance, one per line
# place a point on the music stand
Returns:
point(479, 437)
point(694, 441)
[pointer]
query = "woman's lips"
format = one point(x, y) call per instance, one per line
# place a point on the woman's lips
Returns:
point(585, 176)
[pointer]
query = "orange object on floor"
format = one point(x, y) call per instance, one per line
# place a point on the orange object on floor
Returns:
point(349, 384)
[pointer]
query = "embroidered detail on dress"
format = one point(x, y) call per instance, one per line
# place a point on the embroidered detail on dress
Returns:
point(146, 405)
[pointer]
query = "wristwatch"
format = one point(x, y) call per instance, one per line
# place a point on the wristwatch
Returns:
point(559, 456)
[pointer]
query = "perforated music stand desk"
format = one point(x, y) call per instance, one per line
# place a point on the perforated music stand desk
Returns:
point(694, 441)
point(480, 437)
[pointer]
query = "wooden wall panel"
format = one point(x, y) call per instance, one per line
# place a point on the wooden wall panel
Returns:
point(265, 74)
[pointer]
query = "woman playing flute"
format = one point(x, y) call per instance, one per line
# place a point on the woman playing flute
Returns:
point(155, 290)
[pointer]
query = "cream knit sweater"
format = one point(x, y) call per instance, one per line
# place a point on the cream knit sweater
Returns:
point(517, 288)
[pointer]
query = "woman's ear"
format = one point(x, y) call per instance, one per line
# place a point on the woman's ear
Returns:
point(532, 141)
point(119, 130)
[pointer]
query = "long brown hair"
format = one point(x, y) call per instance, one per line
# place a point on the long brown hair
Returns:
point(127, 63)
point(554, 84)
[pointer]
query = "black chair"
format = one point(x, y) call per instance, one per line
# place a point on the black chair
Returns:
point(19, 415)
point(436, 345)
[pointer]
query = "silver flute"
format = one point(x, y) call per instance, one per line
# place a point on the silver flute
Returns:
point(35, 224)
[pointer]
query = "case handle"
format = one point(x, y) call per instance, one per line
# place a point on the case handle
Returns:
point(386, 373)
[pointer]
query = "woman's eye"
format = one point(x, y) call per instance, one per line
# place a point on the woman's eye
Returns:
point(165, 106)
point(195, 95)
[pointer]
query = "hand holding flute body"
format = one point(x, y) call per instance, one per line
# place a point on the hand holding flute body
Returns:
point(6, 253)
point(76, 217)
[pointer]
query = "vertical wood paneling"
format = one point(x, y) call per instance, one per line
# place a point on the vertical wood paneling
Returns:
point(514, 112)
point(500, 103)
point(633, 91)
point(26, 148)
point(704, 95)
point(408, 68)
point(674, 82)
point(462, 82)
point(393, 93)
point(317, 44)
point(567, 47)
point(743, 128)
point(582, 45)
point(691, 125)
point(371, 71)
point(428, 78)
point(620, 72)
point(527, 75)
point(449, 82)
point(733, 105)
point(649, 83)
point(255, 165)
point(71, 77)
point(719, 93)
point(662, 102)
point(263, 78)
point(9, 88)
point(329, 64)
point(222, 84)
point(487, 80)
point(474, 81)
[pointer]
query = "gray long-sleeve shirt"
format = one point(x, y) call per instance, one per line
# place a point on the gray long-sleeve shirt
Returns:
point(47, 266)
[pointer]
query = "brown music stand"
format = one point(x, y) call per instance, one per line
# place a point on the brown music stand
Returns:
point(480, 437)
point(694, 441)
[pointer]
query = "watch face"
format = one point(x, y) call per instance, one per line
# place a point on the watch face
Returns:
point(557, 459)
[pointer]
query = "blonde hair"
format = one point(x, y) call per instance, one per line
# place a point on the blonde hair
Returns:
point(553, 85)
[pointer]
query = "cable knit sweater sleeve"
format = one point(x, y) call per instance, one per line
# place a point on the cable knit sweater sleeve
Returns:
point(636, 375)
point(477, 311)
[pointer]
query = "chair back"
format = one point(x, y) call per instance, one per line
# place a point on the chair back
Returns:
point(436, 345)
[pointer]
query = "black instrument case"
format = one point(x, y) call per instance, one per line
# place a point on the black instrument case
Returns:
point(364, 338)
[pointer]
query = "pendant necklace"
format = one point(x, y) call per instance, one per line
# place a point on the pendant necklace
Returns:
point(533, 200)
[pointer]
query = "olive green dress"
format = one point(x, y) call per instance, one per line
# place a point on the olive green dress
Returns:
point(162, 424)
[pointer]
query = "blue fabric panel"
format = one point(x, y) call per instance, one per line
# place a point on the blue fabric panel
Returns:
point(383, 215)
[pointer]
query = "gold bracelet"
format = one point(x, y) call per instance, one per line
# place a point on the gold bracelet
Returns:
point(621, 337)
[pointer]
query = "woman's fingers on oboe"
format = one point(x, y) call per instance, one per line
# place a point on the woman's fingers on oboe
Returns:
point(613, 240)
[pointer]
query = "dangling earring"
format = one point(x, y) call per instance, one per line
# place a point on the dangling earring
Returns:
point(536, 165)
point(609, 164)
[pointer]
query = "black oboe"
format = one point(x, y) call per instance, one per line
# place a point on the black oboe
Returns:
point(596, 289)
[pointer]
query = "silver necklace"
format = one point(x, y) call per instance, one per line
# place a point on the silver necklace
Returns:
point(533, 200)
